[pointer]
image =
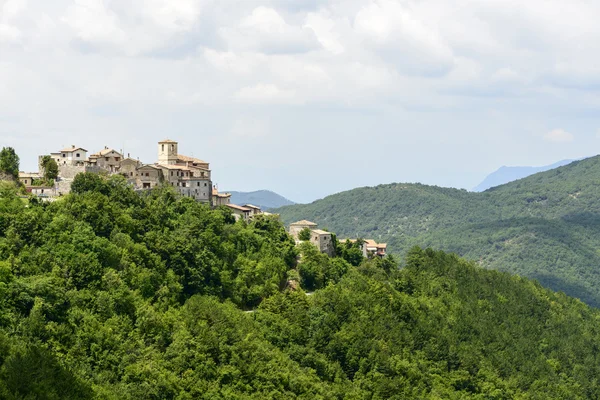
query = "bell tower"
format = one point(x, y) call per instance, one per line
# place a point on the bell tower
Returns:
point(167, 152)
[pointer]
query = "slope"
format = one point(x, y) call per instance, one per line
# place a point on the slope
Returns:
point(544, 226)
point(107, 294)
point(508, 174)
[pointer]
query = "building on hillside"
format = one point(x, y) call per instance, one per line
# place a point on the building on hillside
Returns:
point(27, 178)
point(108, 159)
point(255, 210)
point(297, 227)
point(128, 168)
point(148, 176)
point(220, 199)
point(323, 240)
point(240, 212)
point(76, 156)
point(372, 248)
point(43, 191)
point(369, 247)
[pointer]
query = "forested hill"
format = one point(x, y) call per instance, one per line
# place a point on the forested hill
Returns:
point(545, 226)
point(107, 294)
point(265, 199)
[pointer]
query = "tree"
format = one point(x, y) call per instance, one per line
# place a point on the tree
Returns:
point(50, 168)
point(304, 234)
point(9, 162)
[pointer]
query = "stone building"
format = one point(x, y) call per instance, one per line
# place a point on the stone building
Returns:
point(240, 212)
point(108, 159)
point(220, 199)
point(27, 178)
point(297, 227)
point(323, 240)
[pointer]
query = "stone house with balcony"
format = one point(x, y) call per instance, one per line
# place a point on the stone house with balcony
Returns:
point(108, 159)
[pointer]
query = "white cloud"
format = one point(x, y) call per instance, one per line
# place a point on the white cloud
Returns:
point(266, 31)
point(559, 136)
point(264, 93)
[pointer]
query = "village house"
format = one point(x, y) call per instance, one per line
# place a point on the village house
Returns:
point(71, 156)
point(297, 227)
point(108, 159)
point(323, 240)
point(240, 212)
point(220, 199)
point(369, 247)
point(254, 210)
point(27, 178)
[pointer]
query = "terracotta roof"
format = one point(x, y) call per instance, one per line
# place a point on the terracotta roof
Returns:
point(303, 223)
point(190, 159)
point(320, 232)
point(236, 207)
point(174, 166)
point(252, 206)
point(130, 159)
point(167, 141)
point(72, 149)
point(382, 246)
point(148, 165)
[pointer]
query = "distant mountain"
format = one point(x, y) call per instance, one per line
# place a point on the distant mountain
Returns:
point(509, 174)
point(264, 199)
point(545, 226)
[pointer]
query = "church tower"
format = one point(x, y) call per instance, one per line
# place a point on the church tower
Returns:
point(167, 152)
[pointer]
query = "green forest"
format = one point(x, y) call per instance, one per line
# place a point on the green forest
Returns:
point(546, 226)
point(111, 294)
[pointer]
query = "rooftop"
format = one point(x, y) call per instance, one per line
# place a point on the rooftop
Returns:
point(303, 223)
point(104, 151)
point(236, 207)
point(72, 149)
point(190, 159)
point(167, 141)
point(251, 206)
point(320, 232)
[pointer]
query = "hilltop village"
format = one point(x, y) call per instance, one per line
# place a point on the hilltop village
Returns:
point(190, 176)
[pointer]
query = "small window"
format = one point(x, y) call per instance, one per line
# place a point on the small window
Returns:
point(105, 158)
point(147, 173)
point(77, 155)
point(116, 158)
point(204, 183)
point(64, 155)
point(131, 174)
point(171, 173)
point(172, 147)
point(183, 184)
point(197, 183)
point(163, 148)
point(26, 181)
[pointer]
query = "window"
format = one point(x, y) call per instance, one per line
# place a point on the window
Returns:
point(26, 181)
point(205, 184)
point(64, 155)
point(116, 158)
point(163, 148)
point(77, 155)
point(131, 174)
point(172, 147)
point(183, 184)
point(105, 158)
point(197, 183)
point(171, 173)
point(147, 173)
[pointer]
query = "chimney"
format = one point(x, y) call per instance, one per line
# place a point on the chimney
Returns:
point(72, 146)
point(127, 155)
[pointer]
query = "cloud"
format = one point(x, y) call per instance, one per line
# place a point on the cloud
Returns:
point(559, 136)
point(402, 38)
point(264, 93)
point(266, 31)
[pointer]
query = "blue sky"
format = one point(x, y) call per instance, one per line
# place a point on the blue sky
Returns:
point(306, 98)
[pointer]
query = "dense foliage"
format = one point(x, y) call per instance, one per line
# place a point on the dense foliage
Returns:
point(109, 294)
point(546, 226)
point(9, 162)
point(50, 168)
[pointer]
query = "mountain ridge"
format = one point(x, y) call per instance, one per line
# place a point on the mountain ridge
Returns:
point(265, 199)
point(506, 174)
point(545, 226)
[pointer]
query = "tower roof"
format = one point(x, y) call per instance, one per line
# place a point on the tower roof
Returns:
point(167, 141)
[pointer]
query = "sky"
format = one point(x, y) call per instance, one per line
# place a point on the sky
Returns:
point(306, 97)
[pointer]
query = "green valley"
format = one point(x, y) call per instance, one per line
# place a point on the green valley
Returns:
point(110, 294)
point(545, 226)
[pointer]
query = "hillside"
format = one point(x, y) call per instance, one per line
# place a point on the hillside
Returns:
point(545, 226)
point(106, 294)
point(265, 199)
point(508, 174)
